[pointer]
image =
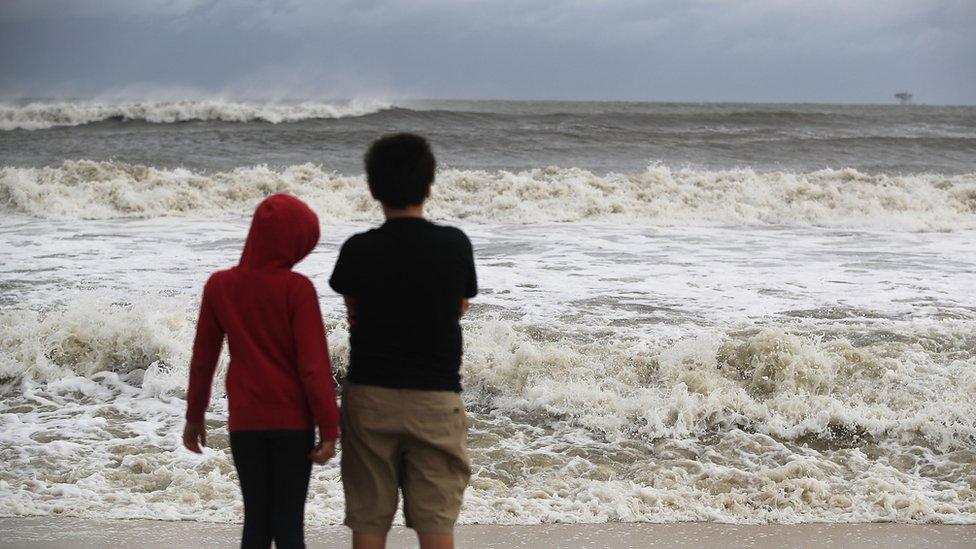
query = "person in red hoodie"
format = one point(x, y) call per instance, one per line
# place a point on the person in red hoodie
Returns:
point(279, 382)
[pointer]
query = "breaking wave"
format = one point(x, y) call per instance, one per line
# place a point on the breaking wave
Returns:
point(36, 116)
point(776, 380)
point(844, 198)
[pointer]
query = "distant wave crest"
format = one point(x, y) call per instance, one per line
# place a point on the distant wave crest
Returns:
point(43, 115)
point(658, 196)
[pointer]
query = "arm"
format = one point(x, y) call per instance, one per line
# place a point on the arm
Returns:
point(206, 352)
point(344, 279)
point(315, 367)
point(470, 277)
point(350, 309)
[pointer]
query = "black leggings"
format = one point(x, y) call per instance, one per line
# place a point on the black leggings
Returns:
point(273, 468)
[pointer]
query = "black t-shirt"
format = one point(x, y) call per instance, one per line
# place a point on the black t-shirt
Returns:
point(408, 277)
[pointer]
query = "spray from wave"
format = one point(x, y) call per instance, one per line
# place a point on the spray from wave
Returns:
point(659, 196)
point(36, 116)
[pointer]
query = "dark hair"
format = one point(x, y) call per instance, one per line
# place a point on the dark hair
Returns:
point(400, 169)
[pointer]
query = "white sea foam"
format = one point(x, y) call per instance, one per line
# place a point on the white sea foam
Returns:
point(771, 423)
point(775, 382)
point(92, 335)
point(658, 196)
point(36, 116)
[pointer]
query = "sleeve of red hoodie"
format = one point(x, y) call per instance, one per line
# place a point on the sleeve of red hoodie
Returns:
point(206, 353)
point(314, 364)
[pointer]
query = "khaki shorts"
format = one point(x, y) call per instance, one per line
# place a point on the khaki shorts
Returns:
point(411, 440)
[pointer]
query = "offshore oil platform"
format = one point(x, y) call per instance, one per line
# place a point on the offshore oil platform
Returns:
point(904, 98)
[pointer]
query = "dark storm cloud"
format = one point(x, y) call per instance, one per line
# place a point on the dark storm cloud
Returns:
point(780, 50)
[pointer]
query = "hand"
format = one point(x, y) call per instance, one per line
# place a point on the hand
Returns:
point(323, 452)
point(195, 436)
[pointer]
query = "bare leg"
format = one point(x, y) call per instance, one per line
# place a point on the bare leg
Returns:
point(364, 540)
point(436, 541)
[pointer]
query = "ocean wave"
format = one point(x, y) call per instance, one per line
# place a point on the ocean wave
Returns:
point(769, 424)
point(36, 116)
point(662, 196)
point(774, 380)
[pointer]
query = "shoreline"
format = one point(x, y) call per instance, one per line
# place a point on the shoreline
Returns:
point(76, 533)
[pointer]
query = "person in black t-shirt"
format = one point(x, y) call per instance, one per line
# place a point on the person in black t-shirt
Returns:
point(406, 284)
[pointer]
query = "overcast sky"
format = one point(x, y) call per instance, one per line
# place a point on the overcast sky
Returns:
point(660, 50)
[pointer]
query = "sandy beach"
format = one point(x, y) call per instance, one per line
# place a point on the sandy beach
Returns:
point(73, 533)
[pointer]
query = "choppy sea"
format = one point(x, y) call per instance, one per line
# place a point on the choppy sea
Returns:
point(743, 313)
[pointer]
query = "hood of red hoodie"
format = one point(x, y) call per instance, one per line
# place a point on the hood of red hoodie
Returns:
point(284, 230)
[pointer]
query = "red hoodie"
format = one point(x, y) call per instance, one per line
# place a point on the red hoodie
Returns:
point(280, 376)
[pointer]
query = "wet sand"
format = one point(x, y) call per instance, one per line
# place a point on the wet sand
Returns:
point(73, 533)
